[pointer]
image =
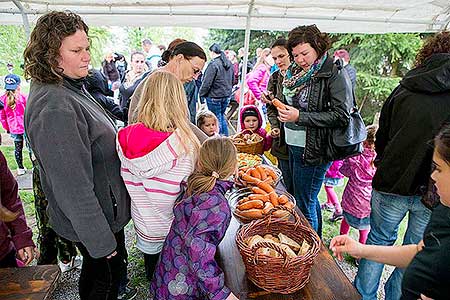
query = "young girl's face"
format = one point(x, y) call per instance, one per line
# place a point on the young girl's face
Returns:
point(251, 123)
point(209, 127)
point(441, 175)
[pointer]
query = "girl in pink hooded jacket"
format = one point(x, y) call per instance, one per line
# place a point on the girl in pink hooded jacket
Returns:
point(157, 156)
point(251, 120)
point(11, 116)
point(258, 78)
point(356, 197)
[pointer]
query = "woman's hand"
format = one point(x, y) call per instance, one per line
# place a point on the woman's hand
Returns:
point(265, 98)
point(112, 255)
point(423, 297)
point(290, 114)
point(275, 132)
point(345, 244)
point(27, 254)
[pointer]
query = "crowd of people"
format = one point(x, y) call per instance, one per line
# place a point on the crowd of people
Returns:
point(169, 167)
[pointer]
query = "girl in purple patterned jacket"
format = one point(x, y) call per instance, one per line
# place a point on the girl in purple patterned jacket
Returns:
point(187, 269)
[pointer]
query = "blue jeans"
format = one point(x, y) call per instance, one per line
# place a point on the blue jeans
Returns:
point(285, 168)
point(218, 107)
point(307, 181)
point(388, 210)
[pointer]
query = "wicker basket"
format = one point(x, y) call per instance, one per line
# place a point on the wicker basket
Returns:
point(282, 275)
point(252, 148)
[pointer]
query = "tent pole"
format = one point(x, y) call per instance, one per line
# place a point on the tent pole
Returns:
point(26, 24)
point(244, 63)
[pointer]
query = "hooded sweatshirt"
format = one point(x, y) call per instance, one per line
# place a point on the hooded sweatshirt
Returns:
point(154, 165)
point(410, 118)
point(217, 82)
point(357, 193)
point(12, 118)
point(260, 131)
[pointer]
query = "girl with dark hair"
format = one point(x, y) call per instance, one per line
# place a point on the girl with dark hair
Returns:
point(426, 264)
point(319, 98)
point(217, 85)
point(280, 56)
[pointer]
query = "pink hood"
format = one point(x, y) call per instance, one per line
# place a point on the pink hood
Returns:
point(248, 107)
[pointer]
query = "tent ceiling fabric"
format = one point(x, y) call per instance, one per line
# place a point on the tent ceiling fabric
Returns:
point(363, 16)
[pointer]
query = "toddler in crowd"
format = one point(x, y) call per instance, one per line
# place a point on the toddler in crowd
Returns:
point(251, 119)
point(333, 178)
point(187, 268)
point(208, 123)
point(12, 105)
point(157, 155)
point(15, 236)
point(356, 197)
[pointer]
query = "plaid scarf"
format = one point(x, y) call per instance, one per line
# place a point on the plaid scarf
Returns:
point(296, 78)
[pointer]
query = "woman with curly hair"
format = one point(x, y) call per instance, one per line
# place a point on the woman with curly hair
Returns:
point(410, 118)
point(74, 143)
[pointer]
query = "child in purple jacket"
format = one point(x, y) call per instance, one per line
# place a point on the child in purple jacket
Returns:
point(186, 269)
point(15, 235)
point(356, 197)
point(252, 120)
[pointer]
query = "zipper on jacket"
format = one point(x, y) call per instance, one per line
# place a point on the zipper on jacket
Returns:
point(114, 202)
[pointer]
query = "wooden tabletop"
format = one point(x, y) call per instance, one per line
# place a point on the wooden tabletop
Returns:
point(327, 281)
point(31, 283)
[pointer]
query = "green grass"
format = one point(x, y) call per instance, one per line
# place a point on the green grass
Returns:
point(331, 229)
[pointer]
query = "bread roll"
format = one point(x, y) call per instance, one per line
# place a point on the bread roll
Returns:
point(288, 241)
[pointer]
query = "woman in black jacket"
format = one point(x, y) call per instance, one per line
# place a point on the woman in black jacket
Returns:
point(319, 99)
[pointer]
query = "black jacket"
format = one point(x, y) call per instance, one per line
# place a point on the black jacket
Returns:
point(97, 85)
point(275, 86)
point(410, 118)
point(330, 101)
point(218, 78)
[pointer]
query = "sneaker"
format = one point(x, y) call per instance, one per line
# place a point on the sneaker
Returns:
point(21, 171)
point(128, 294)
point(327, 206)
point(74, 263)
point(336, 216)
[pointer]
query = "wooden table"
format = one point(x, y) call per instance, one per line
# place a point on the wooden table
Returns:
point(31, 283)
point(327, 281)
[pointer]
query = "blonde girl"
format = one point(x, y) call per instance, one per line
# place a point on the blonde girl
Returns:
point(157, 155)
point(187, 268)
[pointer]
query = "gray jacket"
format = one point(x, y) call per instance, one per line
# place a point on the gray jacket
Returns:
point(74, 143)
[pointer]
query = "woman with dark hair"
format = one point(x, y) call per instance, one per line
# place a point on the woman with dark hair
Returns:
point(280, 56)
point(185, 60)
point(73, 140)
point(319, 98)
point(217, 85)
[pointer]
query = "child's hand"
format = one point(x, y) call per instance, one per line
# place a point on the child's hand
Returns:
point(232, 297)
point(290, 114)
point(344, 244)
point(275, 132)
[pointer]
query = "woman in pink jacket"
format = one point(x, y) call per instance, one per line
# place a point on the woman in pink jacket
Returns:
point(11, 116)
point(258, 78)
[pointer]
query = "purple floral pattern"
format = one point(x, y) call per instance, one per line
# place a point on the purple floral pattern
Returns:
point(187, 269)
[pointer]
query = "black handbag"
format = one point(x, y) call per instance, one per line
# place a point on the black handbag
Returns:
point(348, 141)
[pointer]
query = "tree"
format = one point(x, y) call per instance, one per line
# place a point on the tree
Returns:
point(381, 61)
point(12, 44)
point(99, 37)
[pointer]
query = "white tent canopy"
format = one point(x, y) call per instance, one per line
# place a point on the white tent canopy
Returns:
point(364, 16)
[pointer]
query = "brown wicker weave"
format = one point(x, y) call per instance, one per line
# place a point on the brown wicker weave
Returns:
point(252, 148)
point(282, 275)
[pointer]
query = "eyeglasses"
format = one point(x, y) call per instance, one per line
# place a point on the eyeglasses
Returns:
point(196, 70)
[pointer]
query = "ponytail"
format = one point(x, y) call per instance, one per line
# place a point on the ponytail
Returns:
point(11, 98)
point(217, 160)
